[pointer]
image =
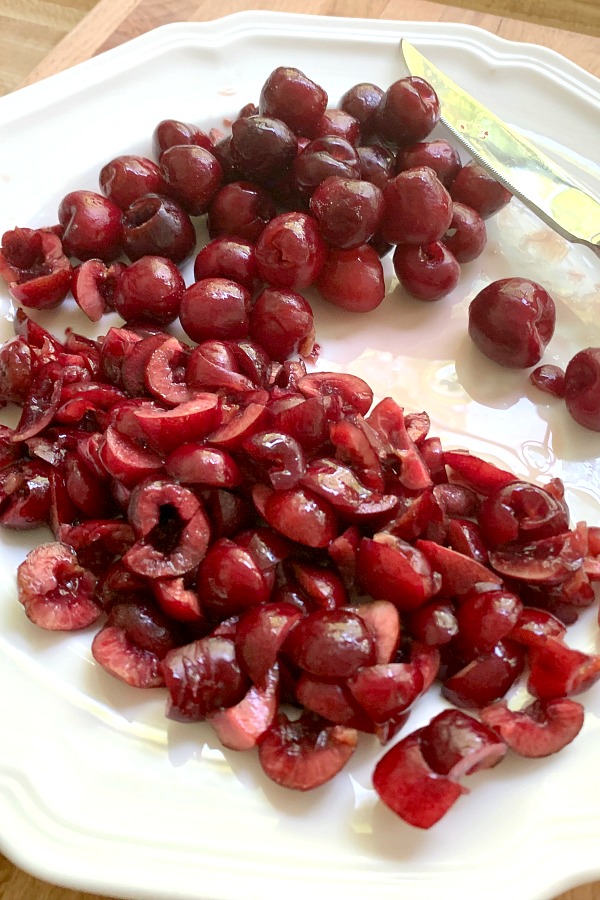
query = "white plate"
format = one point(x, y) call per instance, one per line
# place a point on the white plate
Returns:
point(97, 789)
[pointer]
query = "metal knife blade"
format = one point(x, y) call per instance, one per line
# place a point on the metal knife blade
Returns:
point(553, 194)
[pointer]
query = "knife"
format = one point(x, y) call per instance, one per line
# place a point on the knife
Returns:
point(536, 180)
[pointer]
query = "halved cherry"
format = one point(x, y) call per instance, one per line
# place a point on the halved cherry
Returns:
point(385, 690)
point(391, 569)
point(541, 728)
point(172, 529)
point(260, 635)
point(57, 593)
point(455, 744)
point(192, 420)
point(241, 727)
point(202, 678)
point(560, 671)
point(486, 678)
point(305, 753)
point(459, 573)
point(410, 787)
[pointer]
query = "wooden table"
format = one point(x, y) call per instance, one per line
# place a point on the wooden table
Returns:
point(112, 22)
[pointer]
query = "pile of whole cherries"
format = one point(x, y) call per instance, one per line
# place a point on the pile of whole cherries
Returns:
point(294, 563)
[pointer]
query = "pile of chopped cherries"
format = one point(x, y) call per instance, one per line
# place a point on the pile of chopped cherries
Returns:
point(295, 563)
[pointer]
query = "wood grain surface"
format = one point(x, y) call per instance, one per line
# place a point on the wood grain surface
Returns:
point(39, 38)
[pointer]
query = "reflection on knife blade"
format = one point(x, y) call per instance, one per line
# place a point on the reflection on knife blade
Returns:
point(536, 180)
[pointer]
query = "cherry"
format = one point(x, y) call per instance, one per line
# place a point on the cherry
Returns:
point(117, 653)
point(290, 251)
point(485, 617)
point(15, 371)
point(149, 290)
point(541, 728)
point(331, 643)
point(169, 429)
point(582, 376)
point(418, 208)
point(230, 580)
point(302, 516)
point(475, 187)
point(288, 94)
point(202, 678)
point(261, 633)
point(434, 624)
point(171, 133)
point(348, 211)
point(215, 308)
point(262, 148)
point(427, 272)
point(438, 155)
point(157, 226)
point(511, 321)
point(521, 511)
point(486, 678)
point(353, 279)
point(455, 744)
point(391, 569)
point(376, 164)
point(321, 158)
point(240, 210)
point(36, 269)
point(171, 526)
point(384, 691)
point(231, 258)
point(282, 321)
point(556, 670)
point(127, 178)
point(466, 236)
point(408, 111)
point(362, 102)
point(241, 727)
point(91, 225)
point(410, 787)
point(340, 123)
point(193, 176)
